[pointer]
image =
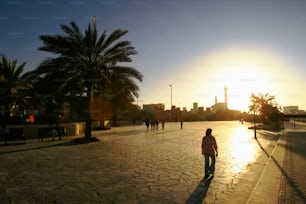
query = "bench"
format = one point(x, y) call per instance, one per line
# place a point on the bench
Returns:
point(51, 132)
point(12, 134)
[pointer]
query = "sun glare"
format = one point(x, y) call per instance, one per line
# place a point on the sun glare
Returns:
point(243, 151)
point(242, 71)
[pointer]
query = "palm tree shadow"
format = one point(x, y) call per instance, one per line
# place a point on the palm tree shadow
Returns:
point(200, 192)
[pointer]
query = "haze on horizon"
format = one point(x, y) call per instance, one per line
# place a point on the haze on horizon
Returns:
point(196, 46)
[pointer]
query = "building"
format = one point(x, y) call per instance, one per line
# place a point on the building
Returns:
point(195, 107)
point(292, 110)
point(153, 107)
point(218, 106)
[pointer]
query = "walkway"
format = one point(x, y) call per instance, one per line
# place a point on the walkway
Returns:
point(283, 179)
point(133, 165)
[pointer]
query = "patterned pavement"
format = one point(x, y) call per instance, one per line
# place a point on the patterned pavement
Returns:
point(135, 165)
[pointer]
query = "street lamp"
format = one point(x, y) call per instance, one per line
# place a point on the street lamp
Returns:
point(171, 97)
point(255, 136)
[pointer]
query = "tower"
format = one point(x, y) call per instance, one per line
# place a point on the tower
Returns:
point(225, 96)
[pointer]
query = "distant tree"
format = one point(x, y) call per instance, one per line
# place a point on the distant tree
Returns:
point(50, 92)
point(13, 87)
point(122, 88)
point(265, 106)
point(81, 61)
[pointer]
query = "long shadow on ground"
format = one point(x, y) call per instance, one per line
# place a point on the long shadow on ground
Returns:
point(199, 194)
point(43, 145)
point(285, 174)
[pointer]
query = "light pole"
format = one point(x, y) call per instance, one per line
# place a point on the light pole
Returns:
point(255, 136)
point(171, 96)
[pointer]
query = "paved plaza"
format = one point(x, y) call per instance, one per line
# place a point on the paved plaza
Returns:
point(135, 165)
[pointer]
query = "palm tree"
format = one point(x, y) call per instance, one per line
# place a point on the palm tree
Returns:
point(13, 86)
point(265, 105)
point(83, 60)
point(122, 88)
point(255, 105)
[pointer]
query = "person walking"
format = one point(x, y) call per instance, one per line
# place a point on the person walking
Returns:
point(210, 151)
point(147, 123)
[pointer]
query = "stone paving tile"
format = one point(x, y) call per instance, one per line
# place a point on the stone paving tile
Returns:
point(129, 166)
point(293, 185)
point(282, 180)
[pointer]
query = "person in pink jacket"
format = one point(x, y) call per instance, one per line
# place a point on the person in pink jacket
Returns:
point(210, 151)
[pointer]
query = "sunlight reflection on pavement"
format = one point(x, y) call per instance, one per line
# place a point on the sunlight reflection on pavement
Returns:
point(130, 165)
point(181, 149)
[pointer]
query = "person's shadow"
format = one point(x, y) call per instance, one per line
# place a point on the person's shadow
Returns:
point(199, 194)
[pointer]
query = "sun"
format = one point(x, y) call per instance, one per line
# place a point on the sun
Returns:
point(242, 71)
point(242, 75)
point(245, 73)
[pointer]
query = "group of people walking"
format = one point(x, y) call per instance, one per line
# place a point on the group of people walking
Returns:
point(154, 124)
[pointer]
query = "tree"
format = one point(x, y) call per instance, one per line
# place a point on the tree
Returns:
point(122, 88)
point(83, 59)
point(265, 105)
point(49, 91)
point(13, 86)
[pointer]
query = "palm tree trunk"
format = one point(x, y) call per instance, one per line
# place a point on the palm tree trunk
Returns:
point(88, 118)
point(115, 115)
point(115, 120)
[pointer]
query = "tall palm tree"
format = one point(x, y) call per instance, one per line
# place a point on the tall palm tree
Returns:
point(13, 84)
point(83, 59)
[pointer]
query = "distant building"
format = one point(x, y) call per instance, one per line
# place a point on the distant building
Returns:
point(195, 107)
point(155, 111)
point(225, 97)
point(153, 107)
point(220, 106)
point(292, 110)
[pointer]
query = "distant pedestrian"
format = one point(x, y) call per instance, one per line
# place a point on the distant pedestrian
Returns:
point(181, 124)
point(156, 124)
point(52, 132)
point(147, 123)
point(152, 124)
point(210, 151)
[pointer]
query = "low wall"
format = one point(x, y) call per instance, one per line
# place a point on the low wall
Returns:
point(31, 131)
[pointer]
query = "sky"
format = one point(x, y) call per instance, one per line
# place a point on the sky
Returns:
point(197, 46)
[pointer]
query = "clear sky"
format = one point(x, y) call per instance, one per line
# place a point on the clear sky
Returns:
point(197, 46)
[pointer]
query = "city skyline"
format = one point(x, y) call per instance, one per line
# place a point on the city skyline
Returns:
point(197, 46)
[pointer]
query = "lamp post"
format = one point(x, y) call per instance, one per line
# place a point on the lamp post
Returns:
point(171, 96)
point(255, 136)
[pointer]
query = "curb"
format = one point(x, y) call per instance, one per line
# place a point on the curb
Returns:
point(267, 188)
